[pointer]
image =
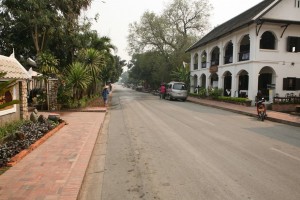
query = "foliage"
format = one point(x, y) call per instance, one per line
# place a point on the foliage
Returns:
point(10, 127)
point(214, 92)
point(182, 74)
point(172, 31)
point(47, 63)
point(147, 68)
point(78, 79)
point(20, 135)
point(234, 99)
point(168, 35)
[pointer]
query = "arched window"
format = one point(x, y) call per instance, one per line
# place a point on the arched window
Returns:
point(297, 3)
point(244, 53)
point(267, 40)
point(196, 61)
point(228, 53)
point(215, 56)
point(203, 59)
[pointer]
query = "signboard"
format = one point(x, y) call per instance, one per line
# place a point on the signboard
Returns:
point(270, 86)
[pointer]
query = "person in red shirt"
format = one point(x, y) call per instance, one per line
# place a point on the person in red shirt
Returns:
point(162, 91)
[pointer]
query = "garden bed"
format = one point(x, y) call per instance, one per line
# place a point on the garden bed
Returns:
point(30, 135)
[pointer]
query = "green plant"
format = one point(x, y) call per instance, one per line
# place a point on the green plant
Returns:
point(214, 92)
point(10, 128)
point(234, 99)
point(202, 92)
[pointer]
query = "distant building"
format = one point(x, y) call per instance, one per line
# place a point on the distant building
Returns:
point(14, 70)
point(256, 50)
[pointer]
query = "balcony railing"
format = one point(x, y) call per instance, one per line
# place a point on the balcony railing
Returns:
point(228, 59)
point(196, 66)
point(244, 56)
point(214, 62)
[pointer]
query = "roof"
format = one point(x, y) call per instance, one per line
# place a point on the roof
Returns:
point(244, 19)
point(13, 69)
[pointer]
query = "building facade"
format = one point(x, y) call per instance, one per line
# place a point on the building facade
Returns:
point(14, 71)
point(257, 50)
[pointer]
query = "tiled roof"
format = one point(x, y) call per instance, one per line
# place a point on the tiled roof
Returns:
point(244, 19)
point(13, 69)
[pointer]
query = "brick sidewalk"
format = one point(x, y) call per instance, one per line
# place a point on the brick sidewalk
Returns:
point(279, 117)
point(55, 170)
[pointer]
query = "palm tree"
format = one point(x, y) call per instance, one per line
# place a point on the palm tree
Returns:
point(47, 64)
point(93, 61)
point(78, 79)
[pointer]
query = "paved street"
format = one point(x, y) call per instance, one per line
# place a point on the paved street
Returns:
point(157, 149)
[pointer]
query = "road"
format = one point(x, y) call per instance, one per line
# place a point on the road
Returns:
point(172, 150)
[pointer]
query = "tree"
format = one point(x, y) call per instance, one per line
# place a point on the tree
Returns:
point(182, 74)
point(93, 61)
point(169, 34)
point(47, 64)
point(78, 79)
point(172, 32)
point(148, 68)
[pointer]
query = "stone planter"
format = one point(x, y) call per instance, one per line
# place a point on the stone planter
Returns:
point(284, 107)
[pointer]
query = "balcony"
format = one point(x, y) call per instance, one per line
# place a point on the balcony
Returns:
point(214, 62)
point(196, 66)
point(228, 59)
point(213, 69)
point(244, 56)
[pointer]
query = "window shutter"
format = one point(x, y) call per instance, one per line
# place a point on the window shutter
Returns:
point(298, 84)
point(285, 84)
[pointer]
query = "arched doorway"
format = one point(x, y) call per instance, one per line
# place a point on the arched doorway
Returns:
point(265, 80)
point(227, 83)
point(203, 81)
point(214, 80)
point(243, 84)
point(195, 83)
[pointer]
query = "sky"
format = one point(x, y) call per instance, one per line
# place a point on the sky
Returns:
point(116, 15)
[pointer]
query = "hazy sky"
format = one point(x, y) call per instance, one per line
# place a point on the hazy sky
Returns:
point(116, 15)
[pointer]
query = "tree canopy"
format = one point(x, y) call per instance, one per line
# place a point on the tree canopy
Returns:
point(55, 35)
point(181, 23)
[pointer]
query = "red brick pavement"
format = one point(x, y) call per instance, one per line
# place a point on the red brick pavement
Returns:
point(55, 169)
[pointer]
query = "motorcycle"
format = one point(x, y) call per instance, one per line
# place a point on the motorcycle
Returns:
point(261, 109)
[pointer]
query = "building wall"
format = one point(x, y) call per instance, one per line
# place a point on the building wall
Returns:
point(13, 115)
point(20, 111)
point(282, 63)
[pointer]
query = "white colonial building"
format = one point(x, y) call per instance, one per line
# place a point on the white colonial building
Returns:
point(257, 50)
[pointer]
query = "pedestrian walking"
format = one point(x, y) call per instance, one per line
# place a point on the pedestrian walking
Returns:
point(105, 94)
point(162, 91)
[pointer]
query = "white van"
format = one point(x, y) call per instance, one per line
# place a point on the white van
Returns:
point(176, 90)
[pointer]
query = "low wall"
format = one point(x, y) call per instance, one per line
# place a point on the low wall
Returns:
point(284, 107)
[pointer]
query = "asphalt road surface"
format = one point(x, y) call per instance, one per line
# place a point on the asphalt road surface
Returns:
point(171, 150)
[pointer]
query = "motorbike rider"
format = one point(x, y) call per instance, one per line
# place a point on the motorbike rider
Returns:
point(259, 102)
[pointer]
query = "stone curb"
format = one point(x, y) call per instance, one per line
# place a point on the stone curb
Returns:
point(248, 114)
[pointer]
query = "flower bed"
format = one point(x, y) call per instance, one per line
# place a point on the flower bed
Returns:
point(25, 139)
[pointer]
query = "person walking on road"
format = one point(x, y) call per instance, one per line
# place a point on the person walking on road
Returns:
point(105, 94)
point(162, 91)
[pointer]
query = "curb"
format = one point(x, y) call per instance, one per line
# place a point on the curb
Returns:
point(14, 160)
point(248, 114)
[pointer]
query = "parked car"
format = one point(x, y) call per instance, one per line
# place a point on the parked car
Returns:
point(176, 90)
